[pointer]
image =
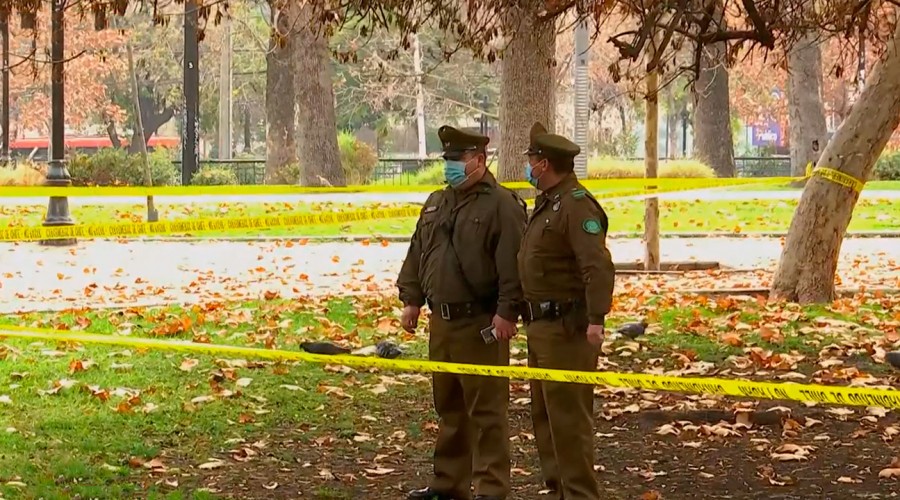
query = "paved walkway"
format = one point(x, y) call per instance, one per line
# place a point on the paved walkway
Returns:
point(362, 198)
point(107, 274)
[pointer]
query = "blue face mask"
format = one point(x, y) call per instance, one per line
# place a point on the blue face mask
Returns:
point(529, 175)
point(455, 173)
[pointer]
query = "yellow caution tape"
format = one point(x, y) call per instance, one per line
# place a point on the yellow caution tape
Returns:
point(853, 396)
point(603, 184)
point(836, 176)
point(130, 229)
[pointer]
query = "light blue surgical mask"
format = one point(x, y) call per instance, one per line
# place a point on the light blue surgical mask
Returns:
point(455, 172)
point(529, 175)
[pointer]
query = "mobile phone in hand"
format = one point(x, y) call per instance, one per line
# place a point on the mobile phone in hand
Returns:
point(489, 334)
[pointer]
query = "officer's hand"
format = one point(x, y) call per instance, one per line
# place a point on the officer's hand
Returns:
point(595, 335)
point(504, 328)
point(409, 318)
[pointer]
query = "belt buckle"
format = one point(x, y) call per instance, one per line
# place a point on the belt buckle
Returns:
point(445, 312)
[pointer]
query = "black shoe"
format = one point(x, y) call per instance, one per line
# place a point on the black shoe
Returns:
point(552, 485)
point(487, 497)
point(427, 494)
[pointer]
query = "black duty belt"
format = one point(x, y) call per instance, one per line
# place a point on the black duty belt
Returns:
point(459, 310)
point(547, 310)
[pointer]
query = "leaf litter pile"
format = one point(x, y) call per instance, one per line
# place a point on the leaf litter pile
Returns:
point(103, 422)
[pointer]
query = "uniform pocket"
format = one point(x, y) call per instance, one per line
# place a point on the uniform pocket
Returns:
point(575, 322)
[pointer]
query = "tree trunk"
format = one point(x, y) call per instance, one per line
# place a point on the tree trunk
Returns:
point(808, 262)
point(673, 113)
point(152, 118)
point(247, 140)
point(713, 143)
point(320, 158)
point(807, 112)
point(281, 144)
point(527, 78)
point(651, 163)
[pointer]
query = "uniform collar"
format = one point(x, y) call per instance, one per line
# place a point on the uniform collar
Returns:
point(568, 182)
point(487, 183)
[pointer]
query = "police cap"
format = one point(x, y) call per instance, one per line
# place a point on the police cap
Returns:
point(550, 145)
point(456, 142)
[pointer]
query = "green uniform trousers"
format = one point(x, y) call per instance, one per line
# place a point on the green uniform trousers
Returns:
point(473, 439)
point(563, 413)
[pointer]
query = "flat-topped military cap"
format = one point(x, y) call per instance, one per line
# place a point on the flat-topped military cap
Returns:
point(552, 145)
point(456, 141)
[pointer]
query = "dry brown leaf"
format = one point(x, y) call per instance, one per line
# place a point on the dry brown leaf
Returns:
point(214, 463)
point(889, 473)
point(378, 471)
point(188, 364)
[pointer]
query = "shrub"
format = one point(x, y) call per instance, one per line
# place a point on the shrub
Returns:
point(433, 173)
point(23, 174)
point(358, 159)
point(612, 168)
point(887, 168)
point(115, 167)
point(214, 176)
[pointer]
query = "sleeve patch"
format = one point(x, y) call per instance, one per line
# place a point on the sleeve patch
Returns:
point(591, 226)
point(579, 194)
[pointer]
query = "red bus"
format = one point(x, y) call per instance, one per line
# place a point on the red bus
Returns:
point(37, 148)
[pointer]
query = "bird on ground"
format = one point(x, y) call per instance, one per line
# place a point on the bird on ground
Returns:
point(893, 359)
point(633, 330)
point(387, 349)
point(323, 348)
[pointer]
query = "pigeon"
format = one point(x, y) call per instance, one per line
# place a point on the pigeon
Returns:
point(323, 348)
point(387, 349)
point(633, 330)
point(893, 359)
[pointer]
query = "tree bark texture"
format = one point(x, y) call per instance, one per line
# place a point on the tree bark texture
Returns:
point(651, 163)
point(809, 259)
point(806, 110)
point(713, 143)
point(527, 79)
point(281, 143)
point(320, 158)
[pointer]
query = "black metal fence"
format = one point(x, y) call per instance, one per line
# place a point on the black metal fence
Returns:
point(408, 171)
point(758, 166)
point(249, 171)
point(405, 171)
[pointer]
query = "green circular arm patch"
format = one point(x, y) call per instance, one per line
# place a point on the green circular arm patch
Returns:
point(591, 226)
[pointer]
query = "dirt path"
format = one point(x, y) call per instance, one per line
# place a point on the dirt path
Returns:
point(795, 452)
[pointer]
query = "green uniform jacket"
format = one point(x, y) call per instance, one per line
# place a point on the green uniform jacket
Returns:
point(484, 225)
point(564, 255)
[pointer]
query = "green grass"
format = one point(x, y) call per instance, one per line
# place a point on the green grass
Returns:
point(77, 443)
point(128, 407)
point(743, 216)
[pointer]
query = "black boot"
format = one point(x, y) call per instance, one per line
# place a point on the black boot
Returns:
point(487, 497)
point(427, 494)
point(893, 359)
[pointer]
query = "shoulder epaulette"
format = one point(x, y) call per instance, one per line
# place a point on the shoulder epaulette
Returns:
point(578, 193)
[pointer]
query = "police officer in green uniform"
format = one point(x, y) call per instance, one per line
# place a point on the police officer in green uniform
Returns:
point(462, 264)
point(567, 278)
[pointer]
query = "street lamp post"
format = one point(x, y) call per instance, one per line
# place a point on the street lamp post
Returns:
point(4, 86)
point(57, 175)
point(190, 154)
